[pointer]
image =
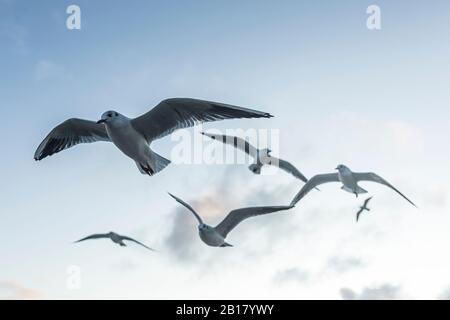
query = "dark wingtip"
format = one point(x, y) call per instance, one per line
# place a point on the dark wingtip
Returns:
point(268, 115)
point(171, 195)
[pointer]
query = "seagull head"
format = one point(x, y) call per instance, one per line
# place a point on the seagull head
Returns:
point(342, 168)
point(110, 116)
point(202, 227)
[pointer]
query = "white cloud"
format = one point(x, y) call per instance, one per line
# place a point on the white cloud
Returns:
point(383, 292)
point(291, 275)
point(11, 290)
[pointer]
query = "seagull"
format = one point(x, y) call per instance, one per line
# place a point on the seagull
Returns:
point(349, 180)
point(116, 238)
point(363, 208)
point(261, 156)
point(134, 136)
point(215, 236)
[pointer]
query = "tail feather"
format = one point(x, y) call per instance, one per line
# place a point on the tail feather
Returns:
point(159, 161)
point(155, 164)
point(226, 245)
point(255, 168)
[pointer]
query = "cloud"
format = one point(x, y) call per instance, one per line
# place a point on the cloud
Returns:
point(384, 292)
point(10, 290)
point(436, 196)
point(445, 295)
point(183, 240)
point(342, 264)
point(291, 275)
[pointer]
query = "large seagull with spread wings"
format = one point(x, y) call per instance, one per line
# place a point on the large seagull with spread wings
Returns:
point(134, 136)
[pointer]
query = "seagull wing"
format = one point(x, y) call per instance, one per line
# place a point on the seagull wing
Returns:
point(172, 114)
point(189, 207)
point(95, 236)
point(237, 216)
point(135, 241)
point(313, 183)
point(358, 213)
point(288, 167)
point(366, 202)
point(69, 133)
point(370, 176)
point(237, 142)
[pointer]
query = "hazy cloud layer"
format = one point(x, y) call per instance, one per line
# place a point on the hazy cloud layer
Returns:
point(215, 203)
point(343, 264)
point(11, 290)
point(384, 292)
point(291, 275)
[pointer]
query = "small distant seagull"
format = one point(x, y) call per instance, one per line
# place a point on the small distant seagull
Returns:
point(363, 208)
point(349, 180)
point(134, 136)
point(116, 238)
point(261, 156)
point(215, 236)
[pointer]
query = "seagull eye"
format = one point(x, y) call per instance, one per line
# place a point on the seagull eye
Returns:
point(109, 115)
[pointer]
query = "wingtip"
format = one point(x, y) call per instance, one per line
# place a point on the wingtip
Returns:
point(268, 115)
point(172, 195)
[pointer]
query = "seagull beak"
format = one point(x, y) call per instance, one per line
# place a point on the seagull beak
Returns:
point(101, 121)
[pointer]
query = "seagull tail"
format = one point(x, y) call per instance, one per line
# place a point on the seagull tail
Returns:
point(225, 245)
point(255, 168)
point(154, 164)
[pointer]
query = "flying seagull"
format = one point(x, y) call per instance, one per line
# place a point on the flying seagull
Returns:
point(363, 208)
point(261, 156)
point(116, 238)
point(215, 236)
point(134, 136)
point(349, 180)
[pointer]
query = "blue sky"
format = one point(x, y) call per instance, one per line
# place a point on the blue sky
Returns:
point(375, 100)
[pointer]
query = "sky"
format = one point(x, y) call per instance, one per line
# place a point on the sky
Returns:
point(375, 100)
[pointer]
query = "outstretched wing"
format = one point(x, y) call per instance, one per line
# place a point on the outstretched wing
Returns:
point(237, 216)
point(313, 183)
point(288, 167)
point(172, 114)
point(94, 236)
point(370, 176)
point(188, 207)
point(366, 202)
point(358, 214)
point(236, 142)
point(69, 133)
point(135, 241)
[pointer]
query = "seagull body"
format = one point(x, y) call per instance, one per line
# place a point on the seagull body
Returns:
point(363, 208)
point(215, 236)
point(116, 238)
point(349, 180)
point(261, 156)
point(134, 136)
